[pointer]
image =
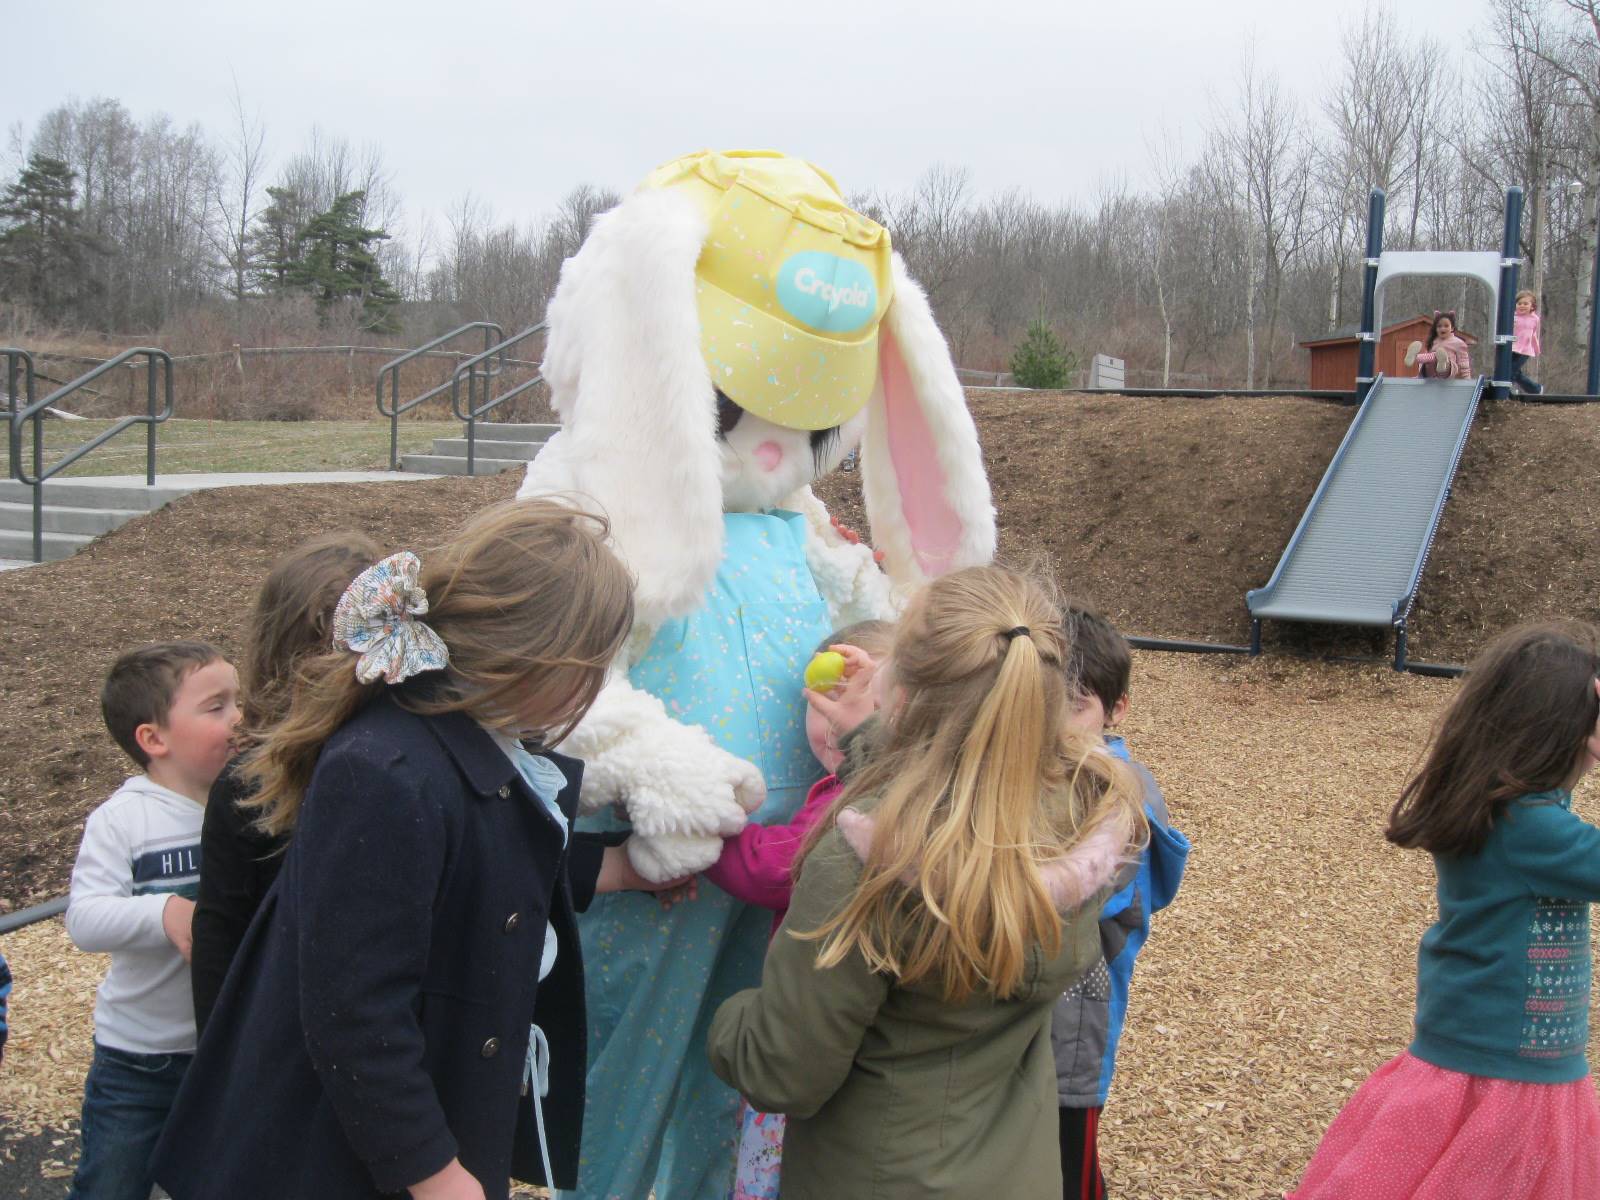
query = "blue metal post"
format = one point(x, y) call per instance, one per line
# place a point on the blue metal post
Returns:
point(1369, 287)
point(1504, 323)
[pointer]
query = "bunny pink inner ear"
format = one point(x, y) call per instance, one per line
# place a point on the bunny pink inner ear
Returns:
point(913, 450)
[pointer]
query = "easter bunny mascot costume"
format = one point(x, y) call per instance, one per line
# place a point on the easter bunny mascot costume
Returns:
point(723, 338)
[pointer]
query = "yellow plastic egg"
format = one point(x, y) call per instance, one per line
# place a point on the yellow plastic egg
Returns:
point(824, 671)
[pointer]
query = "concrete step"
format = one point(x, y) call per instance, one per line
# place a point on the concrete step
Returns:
point(449, 464)
point(514, 432)
point(77, 509)
point(18, 543)
point(66, 520)
point(523, 451)
point(86, 493)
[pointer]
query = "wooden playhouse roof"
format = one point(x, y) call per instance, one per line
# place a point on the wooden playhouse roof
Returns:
point(1352, 333)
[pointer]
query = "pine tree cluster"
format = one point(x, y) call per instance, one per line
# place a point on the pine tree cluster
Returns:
point(45, 251)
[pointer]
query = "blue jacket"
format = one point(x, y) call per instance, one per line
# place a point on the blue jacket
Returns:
point(375, 1022)
point(1087, 1023)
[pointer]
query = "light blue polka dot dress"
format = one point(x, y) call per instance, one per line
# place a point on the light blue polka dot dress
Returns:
point(657, 1117)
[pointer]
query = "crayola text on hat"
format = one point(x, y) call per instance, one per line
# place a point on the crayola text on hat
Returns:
point(791, 285)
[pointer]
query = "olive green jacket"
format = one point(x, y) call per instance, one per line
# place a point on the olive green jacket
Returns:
point(891, 1091)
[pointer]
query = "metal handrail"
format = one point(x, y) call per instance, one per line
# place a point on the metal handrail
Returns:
point(35, 412)
point(469, 371)
point(16, 360)
point(391, 370)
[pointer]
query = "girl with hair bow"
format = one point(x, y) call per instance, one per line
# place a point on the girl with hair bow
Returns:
point(379, 1031)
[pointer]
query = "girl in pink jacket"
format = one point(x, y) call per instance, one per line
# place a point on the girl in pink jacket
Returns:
point(1447, 356)
point(757, 864)
point(1525, 342)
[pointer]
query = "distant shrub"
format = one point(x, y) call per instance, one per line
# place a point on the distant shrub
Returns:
point(1041, 361)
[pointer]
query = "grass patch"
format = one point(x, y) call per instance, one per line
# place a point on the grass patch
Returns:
point(184, 446)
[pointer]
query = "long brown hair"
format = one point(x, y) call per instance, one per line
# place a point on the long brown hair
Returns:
point(977, 786)
point(1433, 330)
point(293, 617)
point(532, 606)
point(1517, 726)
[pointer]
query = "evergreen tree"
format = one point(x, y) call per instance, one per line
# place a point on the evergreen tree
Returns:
point(338, 263)
point(277, 250)
point(44, 251)
point(1041, 361)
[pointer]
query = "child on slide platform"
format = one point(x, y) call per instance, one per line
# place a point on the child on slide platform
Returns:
point(1447, 356)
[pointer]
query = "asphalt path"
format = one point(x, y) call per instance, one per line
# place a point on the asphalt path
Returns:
point(36, 1166)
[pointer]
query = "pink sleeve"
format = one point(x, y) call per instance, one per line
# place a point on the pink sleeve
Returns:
point(757, 863)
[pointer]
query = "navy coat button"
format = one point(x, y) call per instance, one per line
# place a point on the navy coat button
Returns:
point(491, 1048)
point(513, 921)
point(505, 792)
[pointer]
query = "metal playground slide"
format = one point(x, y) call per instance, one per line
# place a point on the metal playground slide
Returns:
point(1358, 553)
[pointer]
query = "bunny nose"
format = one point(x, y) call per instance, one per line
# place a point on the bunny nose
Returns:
point(769, 455)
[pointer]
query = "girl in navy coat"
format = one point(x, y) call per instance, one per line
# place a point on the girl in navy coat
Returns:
point(413, 983)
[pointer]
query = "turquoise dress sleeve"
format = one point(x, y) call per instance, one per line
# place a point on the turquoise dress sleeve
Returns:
point(657, 1119)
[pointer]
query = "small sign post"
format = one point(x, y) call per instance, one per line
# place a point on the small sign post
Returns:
point(1106, 372)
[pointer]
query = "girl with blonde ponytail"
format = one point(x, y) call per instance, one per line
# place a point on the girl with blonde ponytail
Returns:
point(949, 898)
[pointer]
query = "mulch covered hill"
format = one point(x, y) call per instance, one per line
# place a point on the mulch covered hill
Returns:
point(1161, 511)
point(1165, 511)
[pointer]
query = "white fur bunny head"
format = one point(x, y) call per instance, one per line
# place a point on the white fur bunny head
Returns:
point(649, 438)
point(763, 464)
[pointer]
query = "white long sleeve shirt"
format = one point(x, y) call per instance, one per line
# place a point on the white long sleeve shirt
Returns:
point(139, 848)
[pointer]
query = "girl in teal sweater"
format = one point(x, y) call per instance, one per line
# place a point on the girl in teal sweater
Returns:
point(1493, 1097)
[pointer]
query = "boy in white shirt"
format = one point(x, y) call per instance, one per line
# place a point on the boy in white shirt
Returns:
point(173, 708)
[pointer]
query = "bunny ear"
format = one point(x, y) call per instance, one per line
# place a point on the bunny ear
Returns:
point(638, 436)
point(927, 496)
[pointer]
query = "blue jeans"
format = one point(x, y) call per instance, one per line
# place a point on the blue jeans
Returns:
point(1519, 374)
point(125, 1103)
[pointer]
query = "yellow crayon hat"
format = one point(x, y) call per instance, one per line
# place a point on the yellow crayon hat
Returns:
point(791, 285)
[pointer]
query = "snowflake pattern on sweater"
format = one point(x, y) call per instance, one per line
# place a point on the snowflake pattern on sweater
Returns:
point(1556, 1014)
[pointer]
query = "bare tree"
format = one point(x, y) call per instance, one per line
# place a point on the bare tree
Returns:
point(1530, 88)
point(1162, 230)
point(146, 197)
point(238, 195)
point(930, 226)
point(1375, 118)
point(575, 217)
point(1272, 153)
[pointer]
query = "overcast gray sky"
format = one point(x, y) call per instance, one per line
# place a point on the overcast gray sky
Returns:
point(518, 102)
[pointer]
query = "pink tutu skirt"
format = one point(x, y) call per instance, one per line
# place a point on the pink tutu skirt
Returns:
point(1414, 1131)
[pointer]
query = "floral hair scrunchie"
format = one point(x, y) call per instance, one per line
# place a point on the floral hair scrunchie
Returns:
point(377, 618)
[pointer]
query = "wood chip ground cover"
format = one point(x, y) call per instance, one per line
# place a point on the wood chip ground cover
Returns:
point(1284, 972)
point(1280, 977)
